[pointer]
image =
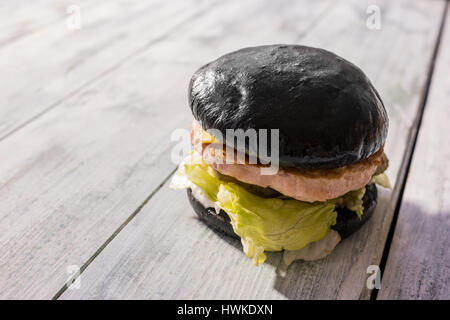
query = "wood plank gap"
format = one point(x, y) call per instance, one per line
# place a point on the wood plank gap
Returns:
point(110, 69)
point(111, 238)
point(404, 171)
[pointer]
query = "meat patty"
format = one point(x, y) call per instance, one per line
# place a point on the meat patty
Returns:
point(302, 184)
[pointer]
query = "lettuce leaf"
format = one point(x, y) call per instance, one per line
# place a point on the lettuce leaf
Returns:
point(264, 224)
point(382, 180)
point(353, 201)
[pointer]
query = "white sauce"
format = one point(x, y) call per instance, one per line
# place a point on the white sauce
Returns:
point(201, 197)
point(180, 181)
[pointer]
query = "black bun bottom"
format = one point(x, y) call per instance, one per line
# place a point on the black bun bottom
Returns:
point(346, 224)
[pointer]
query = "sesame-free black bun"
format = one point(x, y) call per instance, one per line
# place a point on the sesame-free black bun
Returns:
point(346, 224)
point(327, 111)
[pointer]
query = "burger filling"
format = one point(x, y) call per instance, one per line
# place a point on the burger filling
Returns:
point(304, 185)
point(264, 218)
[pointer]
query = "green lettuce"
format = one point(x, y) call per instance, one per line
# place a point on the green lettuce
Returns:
point(382, 180)
point(353, 201)
point(265, 224)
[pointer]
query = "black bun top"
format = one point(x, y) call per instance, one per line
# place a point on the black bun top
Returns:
point(327, 111)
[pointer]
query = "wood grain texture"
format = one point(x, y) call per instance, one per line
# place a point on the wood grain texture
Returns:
point(22, 19)
point(55, 63)
point(71, 178)
point(165, 252)
point(418, 265)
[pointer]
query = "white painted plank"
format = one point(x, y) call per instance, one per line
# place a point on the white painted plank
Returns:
point(165, 252)
point(418, 265)
point(20, 19)
point(49, 66)
point(72, 177)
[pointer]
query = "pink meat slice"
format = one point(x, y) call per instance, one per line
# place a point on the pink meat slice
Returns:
point(305, 185)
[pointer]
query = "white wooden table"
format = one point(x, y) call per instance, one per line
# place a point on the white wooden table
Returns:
point(85, 122)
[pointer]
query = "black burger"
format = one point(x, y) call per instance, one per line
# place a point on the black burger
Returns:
point(288, 146)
